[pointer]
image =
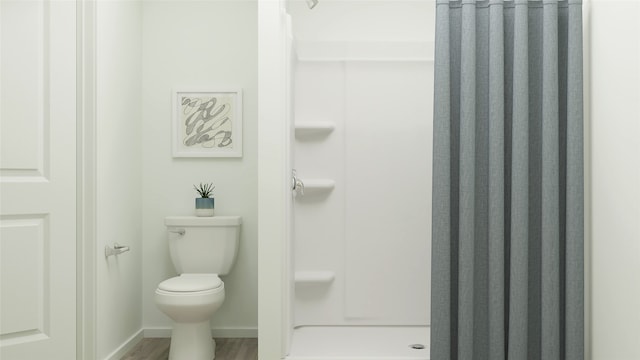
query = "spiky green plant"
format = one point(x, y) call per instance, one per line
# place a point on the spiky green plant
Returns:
point(204, 190)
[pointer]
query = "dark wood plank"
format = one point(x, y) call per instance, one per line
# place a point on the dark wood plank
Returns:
point(226, 349)
point(151, 348)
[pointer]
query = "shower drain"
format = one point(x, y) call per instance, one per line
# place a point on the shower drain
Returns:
point(417, 346)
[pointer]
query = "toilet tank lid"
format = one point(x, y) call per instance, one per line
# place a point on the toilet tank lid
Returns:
point(191, 283)
point(202, 220)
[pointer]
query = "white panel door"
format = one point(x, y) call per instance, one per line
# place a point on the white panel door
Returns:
point(37, 179)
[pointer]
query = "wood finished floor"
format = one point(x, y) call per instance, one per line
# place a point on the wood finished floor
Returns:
point(226, 349)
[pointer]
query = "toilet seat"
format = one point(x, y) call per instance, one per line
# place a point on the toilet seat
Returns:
point(191, 283)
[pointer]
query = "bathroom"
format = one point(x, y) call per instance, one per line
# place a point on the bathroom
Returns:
point(133, 54)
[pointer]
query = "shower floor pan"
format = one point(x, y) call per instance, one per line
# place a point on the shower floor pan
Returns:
point(359, 343)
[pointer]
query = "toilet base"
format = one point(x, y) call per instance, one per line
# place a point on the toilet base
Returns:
point(192, 341)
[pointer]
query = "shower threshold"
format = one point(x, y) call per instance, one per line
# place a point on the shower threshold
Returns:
point(360, 343)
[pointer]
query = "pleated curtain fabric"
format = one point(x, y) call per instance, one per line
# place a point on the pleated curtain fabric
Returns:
point(507, 263)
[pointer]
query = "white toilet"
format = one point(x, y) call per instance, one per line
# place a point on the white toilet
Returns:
point(201, 249)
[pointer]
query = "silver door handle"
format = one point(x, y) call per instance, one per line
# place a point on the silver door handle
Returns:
point(115, 250)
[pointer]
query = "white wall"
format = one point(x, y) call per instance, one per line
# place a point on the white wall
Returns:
point(615, 174)
point(199, 44)
point(118, 117)
point(274, 175)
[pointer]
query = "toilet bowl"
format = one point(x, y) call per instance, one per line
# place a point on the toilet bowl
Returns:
point(200, 249)
point(190, 300)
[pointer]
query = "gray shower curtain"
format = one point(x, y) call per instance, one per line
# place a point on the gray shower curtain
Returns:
point(507, 265)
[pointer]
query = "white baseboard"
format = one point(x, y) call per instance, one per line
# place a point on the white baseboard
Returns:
point(126, 346)
point(165, 332)
point(157, 332)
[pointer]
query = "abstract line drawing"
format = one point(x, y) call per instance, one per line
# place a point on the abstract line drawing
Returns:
point(207, 124)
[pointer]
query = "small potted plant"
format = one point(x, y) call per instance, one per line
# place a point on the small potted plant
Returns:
point(205, 203)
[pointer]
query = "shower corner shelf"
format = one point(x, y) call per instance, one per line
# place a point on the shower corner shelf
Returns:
point(318, 185)
point(314, 277)
point(314, 127)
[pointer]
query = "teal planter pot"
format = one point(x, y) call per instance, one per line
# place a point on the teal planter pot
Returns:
point(204, 206)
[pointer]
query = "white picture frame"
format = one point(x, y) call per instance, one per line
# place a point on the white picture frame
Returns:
point(207, 123)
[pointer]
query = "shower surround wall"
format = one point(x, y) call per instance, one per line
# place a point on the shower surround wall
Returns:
point(361, 250)
point(362, 99)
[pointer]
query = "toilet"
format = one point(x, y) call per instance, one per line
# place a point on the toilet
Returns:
point(201, 248)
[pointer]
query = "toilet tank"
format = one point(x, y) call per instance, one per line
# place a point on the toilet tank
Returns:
point(203, 244)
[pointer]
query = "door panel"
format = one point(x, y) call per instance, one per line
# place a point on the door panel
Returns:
point(37, 179)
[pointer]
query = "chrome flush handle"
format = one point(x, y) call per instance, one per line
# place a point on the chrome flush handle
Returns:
point(177, 231)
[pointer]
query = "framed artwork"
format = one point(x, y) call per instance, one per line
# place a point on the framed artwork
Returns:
point(207, 123)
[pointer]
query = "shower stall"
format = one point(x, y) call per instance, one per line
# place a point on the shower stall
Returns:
point(356, 134)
